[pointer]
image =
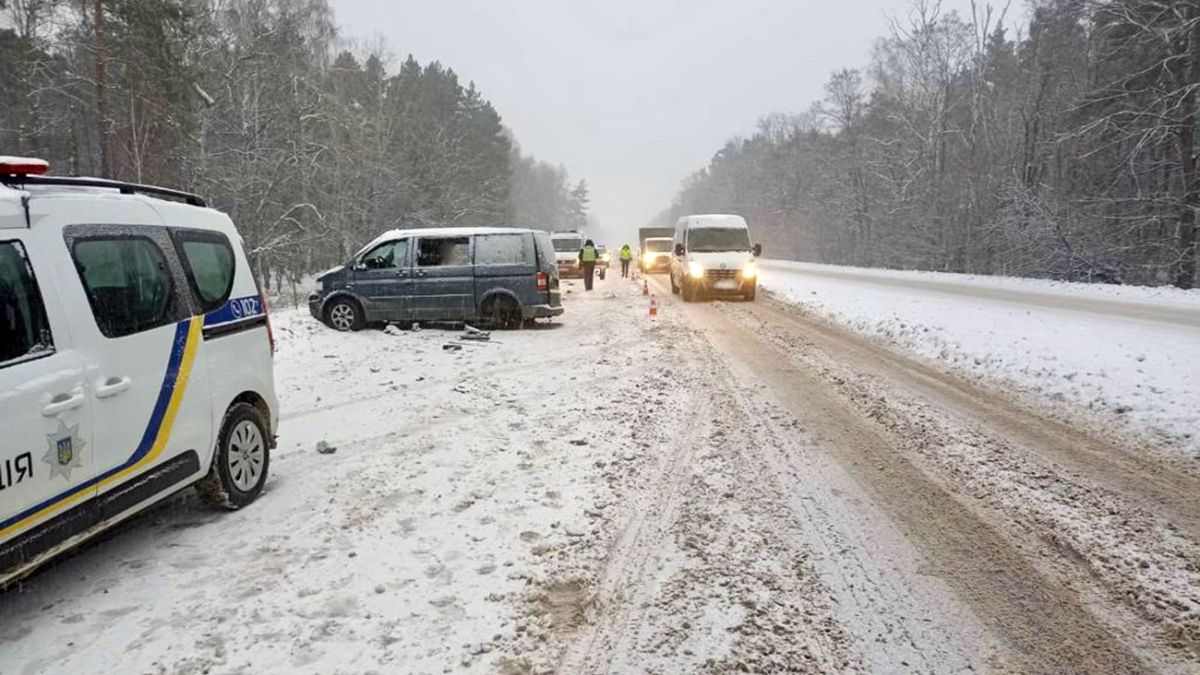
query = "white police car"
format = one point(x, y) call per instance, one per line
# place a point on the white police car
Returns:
point(135, 359)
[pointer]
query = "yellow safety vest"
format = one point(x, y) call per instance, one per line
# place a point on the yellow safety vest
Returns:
point(589, 254)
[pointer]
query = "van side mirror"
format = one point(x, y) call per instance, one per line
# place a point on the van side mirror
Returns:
point(757, 250)
point(679, 251)
point(359, 266)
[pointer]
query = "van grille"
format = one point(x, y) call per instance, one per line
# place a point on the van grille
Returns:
point(721, 274)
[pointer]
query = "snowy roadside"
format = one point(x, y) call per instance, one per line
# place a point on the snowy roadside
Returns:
point(413, 547)
point(1138, 375)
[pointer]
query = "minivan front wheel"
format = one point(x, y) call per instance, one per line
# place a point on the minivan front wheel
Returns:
point(502, 312)
point(240, 460)
point(344, 314)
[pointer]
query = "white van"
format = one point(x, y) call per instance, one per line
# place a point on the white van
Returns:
point(135, 359)
point(713, 256)
point(566, 252)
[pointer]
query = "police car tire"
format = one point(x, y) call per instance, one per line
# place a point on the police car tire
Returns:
point(218, 488)
point(356, 321)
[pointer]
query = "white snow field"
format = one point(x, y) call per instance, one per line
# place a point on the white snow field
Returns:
point(1129, 355)
point(731, 487)
point(406, 550)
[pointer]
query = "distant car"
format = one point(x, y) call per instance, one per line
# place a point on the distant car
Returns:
point(603, 260)
point(714, 255)
point(135, 359)
point(500, 276)
point(566, 253)
point(656, 255)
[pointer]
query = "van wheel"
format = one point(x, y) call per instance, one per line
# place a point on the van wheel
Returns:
point(501, 313)
point(688, 291)
point(749, 297)
point(674, 286)
point(344, 314)
point(240, 460)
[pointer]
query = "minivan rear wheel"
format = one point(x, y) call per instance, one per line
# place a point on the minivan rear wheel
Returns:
point(344, 314)
point(240, 460)
point(502, 313)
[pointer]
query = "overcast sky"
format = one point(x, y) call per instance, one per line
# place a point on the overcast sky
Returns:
point(632, 95)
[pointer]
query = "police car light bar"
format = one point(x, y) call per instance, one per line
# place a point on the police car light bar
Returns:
point(23, 166)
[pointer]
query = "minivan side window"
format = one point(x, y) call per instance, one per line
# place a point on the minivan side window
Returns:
point(504, 249)
point(24, 329)
point(388, 255)
point(128, 283)
point(208, 259)
point(444, 251)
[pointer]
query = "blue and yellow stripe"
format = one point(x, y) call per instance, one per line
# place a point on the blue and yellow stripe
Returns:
point(154, 439)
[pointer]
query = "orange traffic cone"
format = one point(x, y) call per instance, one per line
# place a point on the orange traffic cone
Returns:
point(653, 307)
point(645, 287)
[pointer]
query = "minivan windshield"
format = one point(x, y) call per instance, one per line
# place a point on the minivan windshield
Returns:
point(712, 239)
point(658, 245)
point(567, 245)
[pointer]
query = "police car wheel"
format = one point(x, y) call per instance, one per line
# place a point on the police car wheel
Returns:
point(240, 462)
point(344, 315)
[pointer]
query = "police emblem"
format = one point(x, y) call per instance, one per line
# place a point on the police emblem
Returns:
point(65, 446)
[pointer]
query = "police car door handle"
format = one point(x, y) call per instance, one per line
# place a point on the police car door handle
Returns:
point(113, 386)
point(63, 402)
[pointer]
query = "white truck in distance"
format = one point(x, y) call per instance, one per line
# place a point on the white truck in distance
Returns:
point(566, 252)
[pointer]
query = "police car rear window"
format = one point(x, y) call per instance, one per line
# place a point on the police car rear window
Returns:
point(24, 330)
point(208, 258)
point(128, 283)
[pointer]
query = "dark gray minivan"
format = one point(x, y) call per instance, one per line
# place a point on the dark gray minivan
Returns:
point(499, 276)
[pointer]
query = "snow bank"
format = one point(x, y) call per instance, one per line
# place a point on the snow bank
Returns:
point(1126, 354)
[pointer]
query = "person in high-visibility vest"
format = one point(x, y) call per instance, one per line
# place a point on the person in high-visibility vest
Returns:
point(587, 262)
point(626, 256)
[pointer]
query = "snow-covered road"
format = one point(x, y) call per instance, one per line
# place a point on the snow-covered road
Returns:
point(1127, 355)
point(731, 487)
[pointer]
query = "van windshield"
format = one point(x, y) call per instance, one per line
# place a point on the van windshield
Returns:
point(712, 239)
point(658, 245)
point(567, 245)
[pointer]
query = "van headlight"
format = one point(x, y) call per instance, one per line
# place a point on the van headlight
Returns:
point(648, 259)
point(750, 271)
point(695, 269)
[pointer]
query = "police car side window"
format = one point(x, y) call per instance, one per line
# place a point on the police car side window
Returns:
point(208, 259)
point(128, 283)
point(24, 329)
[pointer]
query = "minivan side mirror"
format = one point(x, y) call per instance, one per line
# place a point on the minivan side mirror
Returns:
point(757, 250)
point(358, 266)
point(679, 250)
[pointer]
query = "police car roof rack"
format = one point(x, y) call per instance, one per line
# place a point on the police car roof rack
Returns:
point(123, 187)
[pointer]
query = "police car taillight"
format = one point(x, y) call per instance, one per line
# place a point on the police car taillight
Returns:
point(23, 166)
point(262, 300)
point(267, 315)
point(543, 281)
